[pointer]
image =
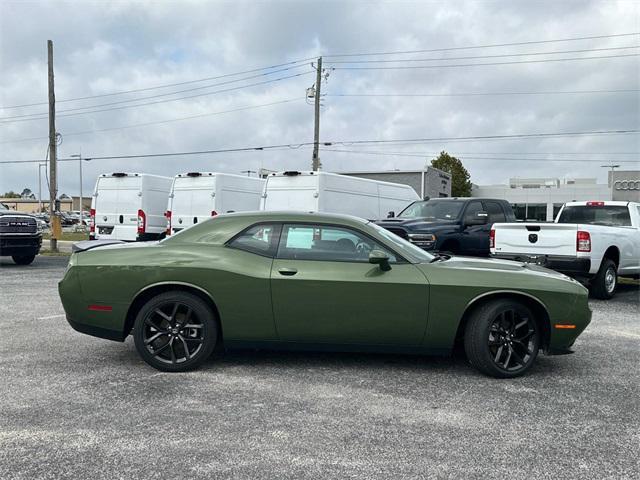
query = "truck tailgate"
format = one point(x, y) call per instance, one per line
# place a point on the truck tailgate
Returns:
point(535, 238)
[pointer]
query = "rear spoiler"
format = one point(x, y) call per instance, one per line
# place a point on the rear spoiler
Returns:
point(91, 244)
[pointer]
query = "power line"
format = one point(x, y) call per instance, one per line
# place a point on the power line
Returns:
point(534, 42)
point(163, 101)
point(345, 143)
point(159, 122)
point(480, 94)
point(466, 157)
point(165, 85)
point(120, 102)
point(503, 55)
point(415, 67)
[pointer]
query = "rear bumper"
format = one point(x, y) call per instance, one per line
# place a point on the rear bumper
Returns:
point(96, 331)
point(20, 244)
point(560, 263)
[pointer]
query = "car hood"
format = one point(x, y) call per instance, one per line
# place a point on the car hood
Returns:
point(411, 223)
point(498, 266)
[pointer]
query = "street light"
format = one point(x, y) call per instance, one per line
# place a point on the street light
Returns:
point(79, 157)
point(612, 167)
point(40, 165)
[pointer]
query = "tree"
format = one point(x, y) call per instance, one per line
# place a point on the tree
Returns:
point(11, 194)
point(26, 193)
point(460, 183)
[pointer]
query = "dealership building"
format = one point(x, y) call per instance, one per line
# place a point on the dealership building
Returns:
point(541, 198)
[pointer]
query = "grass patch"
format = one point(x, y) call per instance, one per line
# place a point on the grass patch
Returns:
point(49, 253)
point(69, 236)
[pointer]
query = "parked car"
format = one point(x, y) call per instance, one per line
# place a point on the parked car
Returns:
point(20, 237)
point(459, 226)
point(594, 242)
point(334, 193)
point(129, 206)
point(316, 281)
point(196, 196)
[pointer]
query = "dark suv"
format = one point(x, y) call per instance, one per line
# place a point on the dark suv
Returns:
point(19, 236)
point(459, 226)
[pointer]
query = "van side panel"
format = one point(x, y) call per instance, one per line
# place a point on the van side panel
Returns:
point(291, 193)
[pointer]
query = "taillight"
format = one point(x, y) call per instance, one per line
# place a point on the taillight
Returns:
point(92, 222)
point(595, 204)
point(213, 213)
point(167, 214)
point(492, 238)
point(142, 221)
point(583, 241)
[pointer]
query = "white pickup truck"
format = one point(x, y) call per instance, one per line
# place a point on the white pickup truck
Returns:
point(594, 242)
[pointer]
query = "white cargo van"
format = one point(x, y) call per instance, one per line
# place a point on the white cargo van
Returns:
point(129, 206)
point(196, 196)
point(334, 193)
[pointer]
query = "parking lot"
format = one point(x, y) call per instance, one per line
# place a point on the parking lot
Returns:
point(81, 407)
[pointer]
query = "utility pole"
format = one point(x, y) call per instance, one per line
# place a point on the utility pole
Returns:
point(53, 181)
point(315, 164)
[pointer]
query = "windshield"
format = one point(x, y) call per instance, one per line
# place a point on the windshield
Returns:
point(440, 209)
point(404, 246)
point(616, 216)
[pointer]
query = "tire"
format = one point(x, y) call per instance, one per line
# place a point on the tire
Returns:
point(502, 339)
point(23, 259)
point(604, 284)
point(175, 331)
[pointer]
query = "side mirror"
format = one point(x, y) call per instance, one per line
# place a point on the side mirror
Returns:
point(391, 214)
point(378, 257)
point(480, 218)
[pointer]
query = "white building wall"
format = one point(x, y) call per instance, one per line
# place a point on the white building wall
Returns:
point(546, 196)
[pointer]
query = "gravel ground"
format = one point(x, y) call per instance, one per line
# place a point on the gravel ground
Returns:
point(74, 406)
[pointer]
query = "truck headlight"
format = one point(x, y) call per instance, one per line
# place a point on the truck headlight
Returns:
point(422, 239)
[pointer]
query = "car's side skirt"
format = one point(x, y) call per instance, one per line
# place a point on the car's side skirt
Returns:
point(341, 347)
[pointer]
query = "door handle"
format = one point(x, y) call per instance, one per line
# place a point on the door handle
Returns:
point(287, 272)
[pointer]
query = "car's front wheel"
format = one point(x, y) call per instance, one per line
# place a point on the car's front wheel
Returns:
point(175, 331)
point(502, 338)
point(23, 259)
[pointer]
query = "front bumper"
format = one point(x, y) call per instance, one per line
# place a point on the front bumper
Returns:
point(565, 264)
point(20, 244)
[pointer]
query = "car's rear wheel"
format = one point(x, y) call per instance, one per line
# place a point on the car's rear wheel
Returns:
point(23, 259)
point(175, 331)
point(604, 284)
point(502, 339)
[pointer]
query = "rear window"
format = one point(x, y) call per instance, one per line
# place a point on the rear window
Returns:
point(615, 216)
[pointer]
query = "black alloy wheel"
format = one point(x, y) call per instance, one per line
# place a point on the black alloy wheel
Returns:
point(175, 331)
point(502, 339)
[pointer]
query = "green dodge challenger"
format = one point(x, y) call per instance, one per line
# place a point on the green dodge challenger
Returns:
point(316, 282)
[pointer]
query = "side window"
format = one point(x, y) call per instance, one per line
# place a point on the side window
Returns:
point(328, 243)
point(496, 214)
point(472, 209)
point(261, 239)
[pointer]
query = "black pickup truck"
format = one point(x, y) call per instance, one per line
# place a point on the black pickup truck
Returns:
point(19, 236)
point(460, 226)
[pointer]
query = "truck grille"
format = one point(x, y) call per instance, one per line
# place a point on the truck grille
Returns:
point(399, 231)
point(18, 225)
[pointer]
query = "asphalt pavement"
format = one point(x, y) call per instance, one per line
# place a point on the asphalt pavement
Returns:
point(75, 406)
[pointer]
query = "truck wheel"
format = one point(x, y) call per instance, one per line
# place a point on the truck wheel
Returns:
point(502, 339)
point(603, 285)
point(23, 259)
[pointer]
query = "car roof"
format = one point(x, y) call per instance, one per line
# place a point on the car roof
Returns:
point(293, 216)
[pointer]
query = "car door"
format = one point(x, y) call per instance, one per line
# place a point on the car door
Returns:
point(474, 236)
point(324, 290)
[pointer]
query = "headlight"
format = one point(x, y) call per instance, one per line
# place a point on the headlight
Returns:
point(422, 239)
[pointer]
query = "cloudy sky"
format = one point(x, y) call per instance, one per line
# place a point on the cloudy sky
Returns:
point(165, 51)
